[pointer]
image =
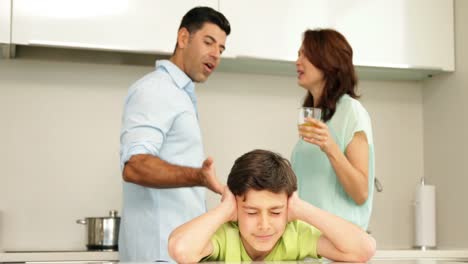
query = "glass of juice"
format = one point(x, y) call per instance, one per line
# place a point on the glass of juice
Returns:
point(305, 112)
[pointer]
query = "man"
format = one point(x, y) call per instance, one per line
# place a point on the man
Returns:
point(161, 153)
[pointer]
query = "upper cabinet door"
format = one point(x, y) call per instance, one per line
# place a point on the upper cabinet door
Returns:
point(398, 33)
point(5, 16)
point(127, 25)
point(271, 29)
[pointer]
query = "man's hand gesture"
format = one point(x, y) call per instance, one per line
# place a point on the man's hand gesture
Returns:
point(208, 176)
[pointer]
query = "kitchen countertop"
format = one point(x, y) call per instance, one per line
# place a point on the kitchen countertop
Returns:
point(417, 253)
point(383, 256)
point(23, 256)
point(408, 261)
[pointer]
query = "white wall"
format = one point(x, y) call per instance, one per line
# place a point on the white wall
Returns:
point(445, 144)
point(60, 143)
point(396, 112)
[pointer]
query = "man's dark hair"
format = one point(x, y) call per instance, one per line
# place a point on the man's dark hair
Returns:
point(197, 16)
point(262, 170)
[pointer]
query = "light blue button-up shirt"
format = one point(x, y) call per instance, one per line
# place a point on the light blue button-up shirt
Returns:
point(159, 118)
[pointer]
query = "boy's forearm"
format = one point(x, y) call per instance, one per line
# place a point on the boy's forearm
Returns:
point(188, 242)
point(344, 235)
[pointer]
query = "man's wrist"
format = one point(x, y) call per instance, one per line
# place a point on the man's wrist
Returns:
point(198, 177)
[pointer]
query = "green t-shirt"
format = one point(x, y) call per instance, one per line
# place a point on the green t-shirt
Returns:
point(299, 241)
point(318, 183)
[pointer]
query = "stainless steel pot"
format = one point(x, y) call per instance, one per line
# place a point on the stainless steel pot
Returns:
point(103, 232)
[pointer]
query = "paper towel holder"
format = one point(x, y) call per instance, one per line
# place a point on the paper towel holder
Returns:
point(425, 226)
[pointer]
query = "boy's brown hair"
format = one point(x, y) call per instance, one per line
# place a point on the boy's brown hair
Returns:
point(262, 170)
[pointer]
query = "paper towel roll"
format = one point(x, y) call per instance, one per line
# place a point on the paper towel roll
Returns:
point(425, 216)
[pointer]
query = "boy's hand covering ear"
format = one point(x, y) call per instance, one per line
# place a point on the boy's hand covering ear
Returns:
point(293, 207)
point(228, 201)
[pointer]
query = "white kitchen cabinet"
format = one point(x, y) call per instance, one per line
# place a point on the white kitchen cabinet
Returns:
point(389, 34)
point(5, 15)
point(144, 26)
point(399, 33)
point(270, 29)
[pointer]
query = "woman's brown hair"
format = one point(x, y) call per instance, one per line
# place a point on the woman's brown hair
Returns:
point(330, 52)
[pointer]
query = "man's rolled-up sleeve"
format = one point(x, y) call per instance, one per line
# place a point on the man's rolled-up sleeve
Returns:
point(147, 117)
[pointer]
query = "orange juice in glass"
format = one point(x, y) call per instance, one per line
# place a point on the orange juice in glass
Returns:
point(305, 112)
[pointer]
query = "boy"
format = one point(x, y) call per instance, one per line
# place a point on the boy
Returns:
point(261, 218)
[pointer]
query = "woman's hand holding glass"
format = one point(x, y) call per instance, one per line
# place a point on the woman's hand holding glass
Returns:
point(316, 132)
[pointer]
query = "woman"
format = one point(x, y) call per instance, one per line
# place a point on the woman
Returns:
point(334, 159)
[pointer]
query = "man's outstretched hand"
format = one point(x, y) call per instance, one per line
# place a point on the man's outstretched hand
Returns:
point(208, 176)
